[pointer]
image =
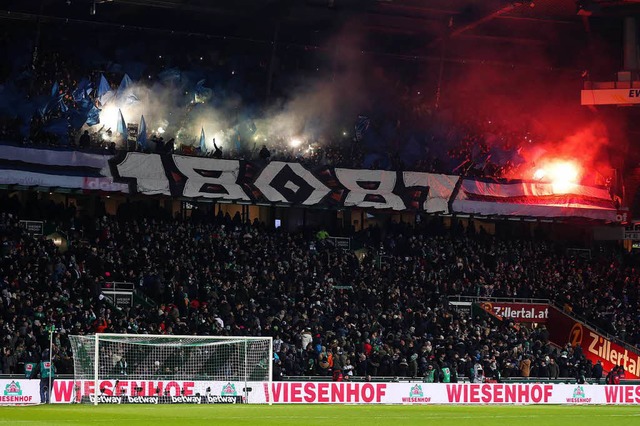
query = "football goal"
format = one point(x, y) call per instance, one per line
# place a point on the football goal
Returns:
point(154, 369)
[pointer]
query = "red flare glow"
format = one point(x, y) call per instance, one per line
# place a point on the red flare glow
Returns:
point(562, 175)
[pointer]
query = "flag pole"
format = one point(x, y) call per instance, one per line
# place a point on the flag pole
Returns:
point(51, 329)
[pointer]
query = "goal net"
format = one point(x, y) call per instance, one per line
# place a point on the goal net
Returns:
point(130, 368)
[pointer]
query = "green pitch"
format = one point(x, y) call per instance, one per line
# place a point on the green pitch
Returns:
point(328, 415)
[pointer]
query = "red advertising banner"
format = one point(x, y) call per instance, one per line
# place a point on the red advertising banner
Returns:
point(518, 312)
point(594, 346)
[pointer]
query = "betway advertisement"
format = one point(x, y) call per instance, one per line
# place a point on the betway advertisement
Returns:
point(21, 392)
point(518, 312)
point(117, 391)
point(595, 346)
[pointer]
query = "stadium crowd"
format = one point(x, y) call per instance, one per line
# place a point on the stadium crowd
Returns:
point(328, 309)
point(444, 141)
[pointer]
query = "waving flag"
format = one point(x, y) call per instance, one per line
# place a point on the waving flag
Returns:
point(83, 90)
point(142, 133)
point(203, 142)
point(104, 90)
point(125, 83)
point(103, 86)
point(50, 105)
point(93, 116)
point(55, 89)
point(121, 128)
point(84, 112)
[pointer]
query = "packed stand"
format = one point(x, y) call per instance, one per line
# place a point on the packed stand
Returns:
point(326, 309)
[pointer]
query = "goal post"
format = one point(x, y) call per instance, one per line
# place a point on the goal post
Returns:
point(140, 368)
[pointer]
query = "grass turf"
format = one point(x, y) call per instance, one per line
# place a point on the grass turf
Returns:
point(334, 415)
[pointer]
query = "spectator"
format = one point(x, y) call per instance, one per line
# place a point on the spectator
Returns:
point(85, 140)
point(597, 372)
point(47, 372)
point(265, 154)
point(543, 370)
point(525, 367)
point(260, 281)
point(217, 153)
point(554, 371)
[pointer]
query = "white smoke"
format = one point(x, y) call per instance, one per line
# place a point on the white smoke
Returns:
point(322, 105)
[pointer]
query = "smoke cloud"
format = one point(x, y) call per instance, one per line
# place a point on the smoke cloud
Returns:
point(531, 111)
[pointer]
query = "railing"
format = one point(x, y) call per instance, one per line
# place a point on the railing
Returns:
point(343, 243)
point(33, 226)
point(146, 300)
point(380, 379)
point(118, 286)
point(113, 289)
point(117, 310)
point(579, 252)
point(461, 379)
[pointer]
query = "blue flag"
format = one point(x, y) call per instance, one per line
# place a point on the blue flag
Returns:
point(125, 84)
point(93, 116)
point(142, 133)
point(81, 114)
point(103, 89)
point(203, 142)
point(54, 89)
point(50, 105)
point(103, 86)
point(77, 118)
point(83, 89)
point(121, 127)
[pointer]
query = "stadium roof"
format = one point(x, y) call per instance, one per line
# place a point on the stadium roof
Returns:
point(508, 30)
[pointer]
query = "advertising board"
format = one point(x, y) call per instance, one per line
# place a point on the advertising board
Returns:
point(518, 312)
point(594, 346)
point(22, 392)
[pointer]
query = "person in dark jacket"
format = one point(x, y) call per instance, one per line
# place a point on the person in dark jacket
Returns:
point(543, 371)
point(85, 140)
point(613, 378)
point(554, 370)
point(265, 154)
point(217, 153)
point(597, 372)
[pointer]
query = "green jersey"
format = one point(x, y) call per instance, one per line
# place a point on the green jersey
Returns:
point(446, 375)
point(430, 376)
point(47, 370)
point(29, 367)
